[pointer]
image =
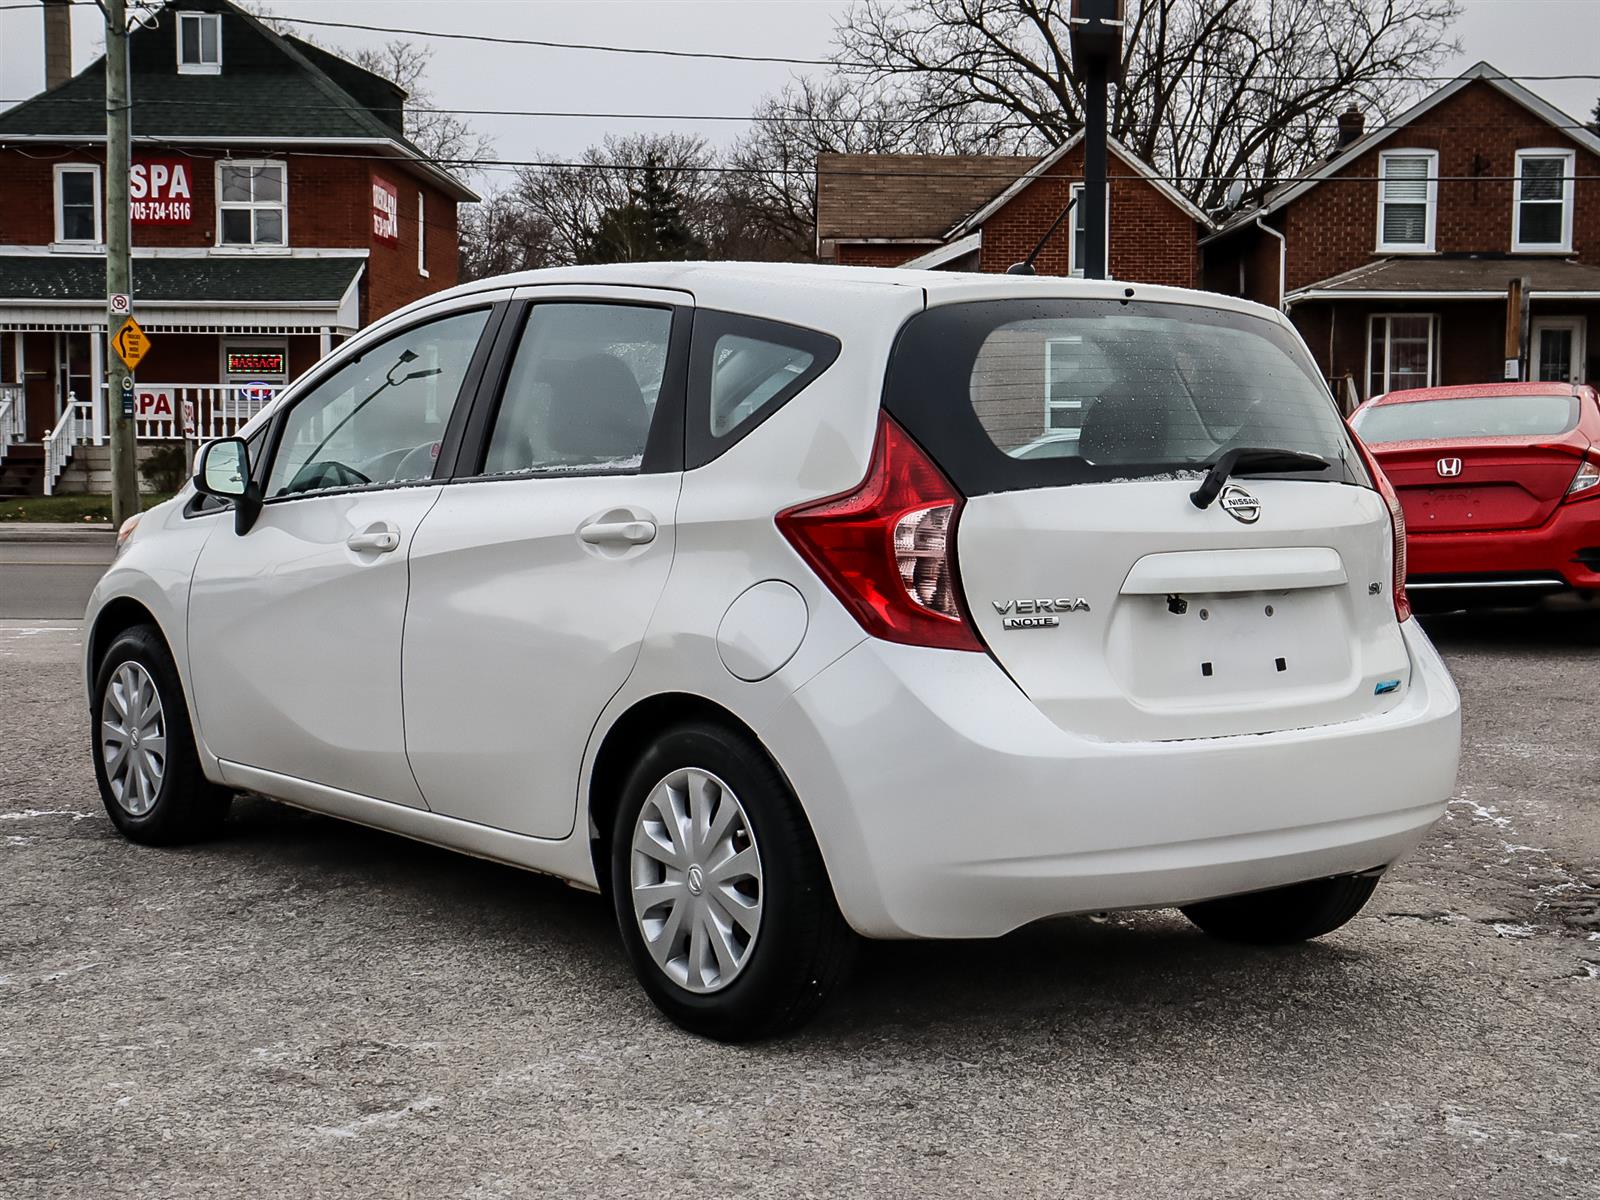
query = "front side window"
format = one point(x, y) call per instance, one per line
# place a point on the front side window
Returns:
point(1544, 200)
point(582, 391)
point(78, 204)
point(1402, 353)
point(381, 417)
point(251, 204)
point(1408, 192)
point(199, 43)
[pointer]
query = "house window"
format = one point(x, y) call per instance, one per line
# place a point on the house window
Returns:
point(422, 237)
point(1408, 199)
point(1078, 252)
point(199, 43)
point(251, 209)
point(78, 204)
point(1403, 351)
point(1543, 218)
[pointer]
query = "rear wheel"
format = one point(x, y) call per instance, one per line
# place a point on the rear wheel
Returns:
point(720, 892)
point(1288, 914)
point(145, 759)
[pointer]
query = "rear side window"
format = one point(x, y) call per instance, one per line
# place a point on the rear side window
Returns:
point(741, 371)
point(582, 391)
point(1017, 394)
point(1468, 417)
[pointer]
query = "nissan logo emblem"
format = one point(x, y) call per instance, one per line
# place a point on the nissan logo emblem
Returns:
point(1449, 468)
point(1240, 504)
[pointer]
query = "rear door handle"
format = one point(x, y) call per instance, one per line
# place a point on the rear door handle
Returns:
point(618, 533)
point(375, 539)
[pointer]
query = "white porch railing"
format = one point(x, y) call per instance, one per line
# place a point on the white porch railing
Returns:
point(58, 443)
point(219, 409)
point(12, 417)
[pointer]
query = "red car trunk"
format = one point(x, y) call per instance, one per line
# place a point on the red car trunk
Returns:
point(1481, 483)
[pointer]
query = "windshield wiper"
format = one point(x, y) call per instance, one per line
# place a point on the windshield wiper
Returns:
point(1252, 460)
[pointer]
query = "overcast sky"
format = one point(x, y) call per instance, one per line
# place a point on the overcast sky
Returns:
point(1518, 36)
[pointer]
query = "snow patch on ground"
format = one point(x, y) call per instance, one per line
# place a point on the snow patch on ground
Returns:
point(1482, 813)
point(1513, 931)
point(29, 814)
point(380, 1120)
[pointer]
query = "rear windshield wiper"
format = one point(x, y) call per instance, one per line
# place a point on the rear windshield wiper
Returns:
point(1252, 460)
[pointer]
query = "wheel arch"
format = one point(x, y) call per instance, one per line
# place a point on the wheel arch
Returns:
point(116, 617)
point(643, 720)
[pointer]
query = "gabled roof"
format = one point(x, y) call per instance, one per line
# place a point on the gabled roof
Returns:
point(272, 88)
point(1482, 71)
point(905, 196)
point(1047, 163)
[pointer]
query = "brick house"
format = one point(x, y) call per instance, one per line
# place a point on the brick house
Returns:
point(983, 213)
point(1394, 256)
point(277, 207)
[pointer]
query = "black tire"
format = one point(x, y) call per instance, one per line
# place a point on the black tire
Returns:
point(802, 947)
point(187, 806)
point(1295, 913)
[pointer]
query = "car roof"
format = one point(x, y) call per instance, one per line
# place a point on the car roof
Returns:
point(1472, 390)
point(740, 285)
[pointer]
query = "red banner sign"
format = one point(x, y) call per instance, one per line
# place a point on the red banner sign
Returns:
point(385, 211)
point(161, 191)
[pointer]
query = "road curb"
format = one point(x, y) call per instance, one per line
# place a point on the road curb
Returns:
point(54, 531)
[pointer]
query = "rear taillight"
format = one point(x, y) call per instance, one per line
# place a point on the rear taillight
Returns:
point(1585, 481)
point(887, 547)
point(1397, 525)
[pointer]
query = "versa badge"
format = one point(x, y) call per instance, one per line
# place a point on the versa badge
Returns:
point(1036, 614)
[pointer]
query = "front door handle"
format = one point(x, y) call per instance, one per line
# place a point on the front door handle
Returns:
point(379, 538)
point(618, 533)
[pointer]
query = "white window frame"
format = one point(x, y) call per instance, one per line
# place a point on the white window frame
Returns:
point(1579, 327)
point(1074, 267)
point(202, 19)
point(99, 206)
point(1388, 353)
point(252, 207)
point(1430, 221)
point(422, 236)
point(1518, 246)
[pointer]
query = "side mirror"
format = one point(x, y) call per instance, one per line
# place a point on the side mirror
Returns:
point(223, 471)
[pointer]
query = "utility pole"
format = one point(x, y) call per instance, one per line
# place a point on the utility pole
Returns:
point(119, 266)
point(1096, 51)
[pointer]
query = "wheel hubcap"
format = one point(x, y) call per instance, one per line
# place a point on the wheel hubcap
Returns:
point(133, 739)
point(696, 880)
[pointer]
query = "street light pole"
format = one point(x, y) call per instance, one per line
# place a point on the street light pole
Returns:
point(1096, 49)
point(119, 265)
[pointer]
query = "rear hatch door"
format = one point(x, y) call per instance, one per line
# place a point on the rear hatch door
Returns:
point(1120, 608)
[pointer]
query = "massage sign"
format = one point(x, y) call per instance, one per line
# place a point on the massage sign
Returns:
point(161, 191)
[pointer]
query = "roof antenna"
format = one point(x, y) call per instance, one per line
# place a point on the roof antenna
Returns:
point(1025, 267)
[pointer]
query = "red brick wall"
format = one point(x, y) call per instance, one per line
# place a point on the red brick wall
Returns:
point(330, 206)
point(1477, 132)
point(866, 254)
point(1152, 239)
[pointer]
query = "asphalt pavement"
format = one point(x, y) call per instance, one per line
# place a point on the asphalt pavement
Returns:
point(50, 579)
point(308, 1008)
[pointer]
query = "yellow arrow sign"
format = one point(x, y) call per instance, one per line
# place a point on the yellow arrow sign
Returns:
point(130, 343)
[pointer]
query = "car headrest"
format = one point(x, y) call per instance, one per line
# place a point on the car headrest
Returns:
point(596, 409)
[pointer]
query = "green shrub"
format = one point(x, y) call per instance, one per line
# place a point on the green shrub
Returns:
point(166, 468)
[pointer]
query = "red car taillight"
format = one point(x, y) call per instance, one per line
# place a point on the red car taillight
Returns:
point(1585, 481)
point(1397, 525)
point(887, 547)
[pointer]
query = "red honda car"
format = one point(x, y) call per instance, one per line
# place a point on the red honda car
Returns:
point(1500, 484)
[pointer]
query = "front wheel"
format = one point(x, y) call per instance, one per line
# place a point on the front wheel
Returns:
point(145, 759)
point(720, 892)
point(1295, 913)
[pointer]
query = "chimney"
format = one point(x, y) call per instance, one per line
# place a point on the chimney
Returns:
point(57, 42)
point(1352, 124)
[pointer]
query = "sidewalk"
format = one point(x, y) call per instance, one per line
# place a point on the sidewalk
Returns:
point(56, 531)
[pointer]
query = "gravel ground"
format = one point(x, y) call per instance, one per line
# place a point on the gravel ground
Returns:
point(306, 1008)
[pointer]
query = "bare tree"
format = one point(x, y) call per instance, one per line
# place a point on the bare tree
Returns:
point(443, 136)
point(1213, 91)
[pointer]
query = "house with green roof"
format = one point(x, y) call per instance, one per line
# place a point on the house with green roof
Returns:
point(277, 206)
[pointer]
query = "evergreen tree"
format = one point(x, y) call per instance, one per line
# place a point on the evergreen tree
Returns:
point(649, 226)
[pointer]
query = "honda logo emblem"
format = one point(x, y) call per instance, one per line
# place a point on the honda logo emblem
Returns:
point(1449, 468)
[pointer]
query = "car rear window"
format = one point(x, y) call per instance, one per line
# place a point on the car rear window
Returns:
point(1016, 394)
point(1467, 417)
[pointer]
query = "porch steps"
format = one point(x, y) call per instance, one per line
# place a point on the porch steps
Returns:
point(22, 471)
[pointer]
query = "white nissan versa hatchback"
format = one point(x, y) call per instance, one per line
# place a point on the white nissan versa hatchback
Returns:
point(743, 594)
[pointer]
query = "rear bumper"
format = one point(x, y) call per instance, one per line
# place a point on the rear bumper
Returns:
point(946, 805)
point(1564, 550)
